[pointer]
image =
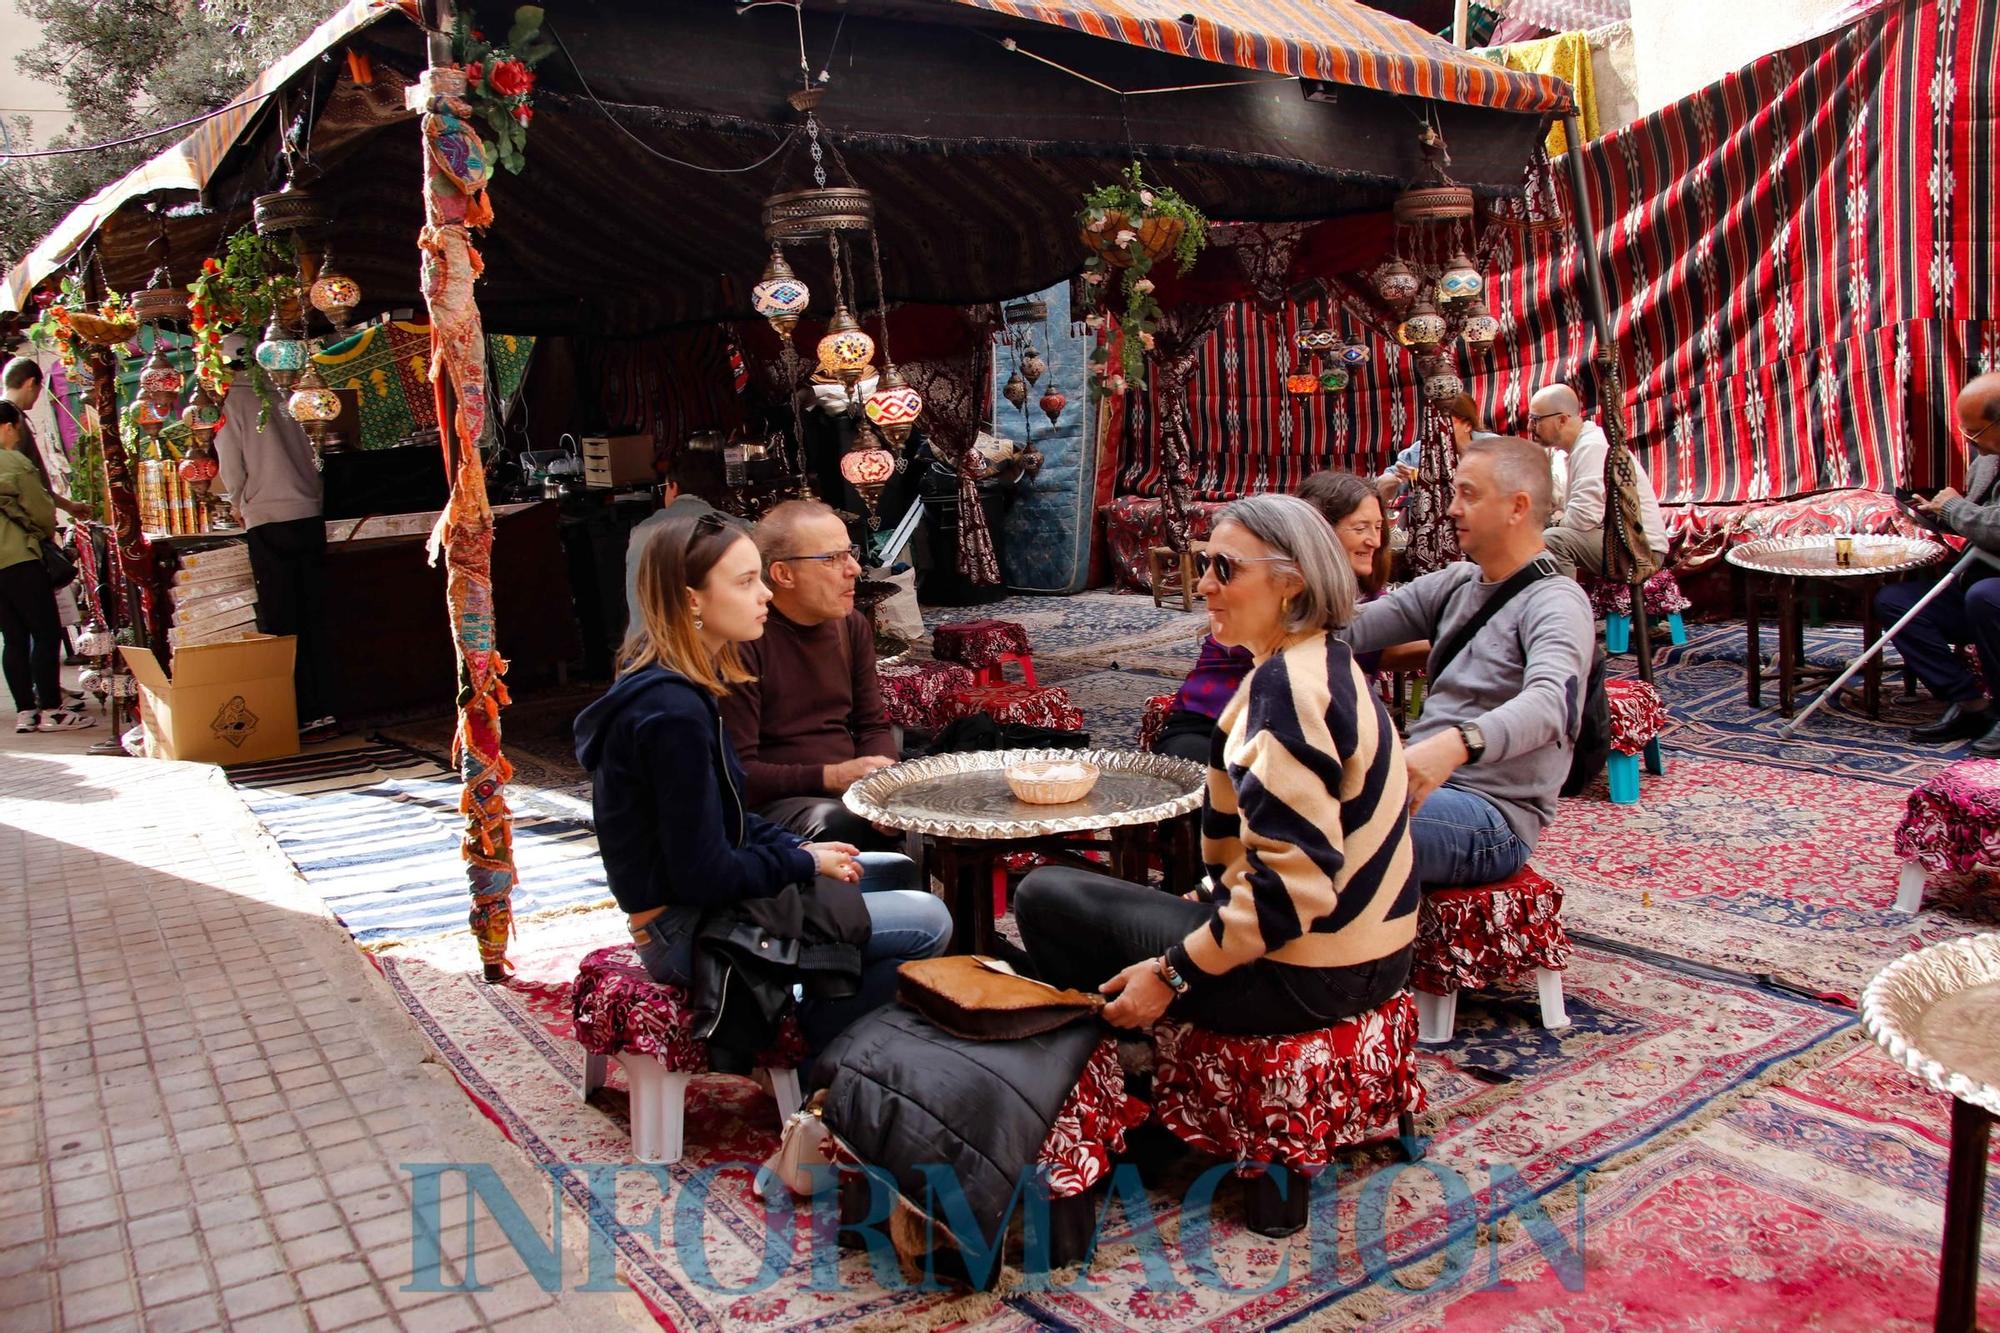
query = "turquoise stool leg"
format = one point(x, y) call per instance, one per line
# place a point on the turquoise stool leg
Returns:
point(1656, 759)
point(1623, 770)
point(1617, 633)
point(1677, 628)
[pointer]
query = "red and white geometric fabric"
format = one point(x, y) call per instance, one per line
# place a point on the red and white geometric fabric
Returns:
point(1021, 705)
point(978, 643)
point(914, 693)
point(1661, 594)
point(1091, 1125)
point(1637, 714)
point(617, 1007)
point(1295, 1099)
point(1952, 822)
point(1479, 938)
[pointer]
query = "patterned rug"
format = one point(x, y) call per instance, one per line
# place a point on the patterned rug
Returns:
point(1668, 1083)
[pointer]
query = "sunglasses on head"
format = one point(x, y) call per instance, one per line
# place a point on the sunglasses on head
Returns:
point(1224, 566)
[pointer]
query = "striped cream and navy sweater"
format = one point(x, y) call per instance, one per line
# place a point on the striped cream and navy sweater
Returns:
point(1306, 826)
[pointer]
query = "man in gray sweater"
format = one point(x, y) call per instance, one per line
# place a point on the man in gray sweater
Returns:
point(1968, 611)
point(1494, 744)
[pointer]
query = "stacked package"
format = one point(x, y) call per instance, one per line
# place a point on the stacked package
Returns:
point(214, 599)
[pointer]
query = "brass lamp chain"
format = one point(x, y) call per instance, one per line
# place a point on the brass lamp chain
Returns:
point(881, 298)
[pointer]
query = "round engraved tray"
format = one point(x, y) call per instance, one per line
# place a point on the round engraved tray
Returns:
point(1813, 556)
point(1937, 1013)
point(967, 796)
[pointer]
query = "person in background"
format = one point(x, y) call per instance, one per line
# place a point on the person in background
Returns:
point(1347, 502)
point(269, 471)
point(1304, 829)
point(809, 722)
point(1466, 426)
point(1494, 744)
point(30, 629)
point(673, 827)
point(1969, 611)
point(21, 385)
point(673, 501)
point(1576, 535)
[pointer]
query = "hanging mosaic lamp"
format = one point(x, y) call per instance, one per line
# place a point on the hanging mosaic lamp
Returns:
point(1015, 390)
point(198, 470)
point(1354, 355)
point(846, 352)
point(1480, 329)
point(1032, 365)
point(1300, 383)
point(1443, 385)
point(282, 356)
point(203, 415)
point(335, 295)
point(161, 300)
point(315, 407)
point(1461, 280)
point(780, 297)
point(159, 383)
point(152, 417)
point(1396, 284)
point(1333, 380)
point(894, 406)
point(1053, 403)
point(1423, 327)
point(868, 471)
point(1319, 340)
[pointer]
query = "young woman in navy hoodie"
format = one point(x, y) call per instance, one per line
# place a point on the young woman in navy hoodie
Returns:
point(672, 827)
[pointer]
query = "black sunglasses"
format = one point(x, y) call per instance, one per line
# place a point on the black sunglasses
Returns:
point(1224, 566)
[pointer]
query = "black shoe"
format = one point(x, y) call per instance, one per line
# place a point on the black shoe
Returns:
point(1959, 723)
point(1988, 746)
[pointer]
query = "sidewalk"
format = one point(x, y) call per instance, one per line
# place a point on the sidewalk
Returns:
point(207, 1094)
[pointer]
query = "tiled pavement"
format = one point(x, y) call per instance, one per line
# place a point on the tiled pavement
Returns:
point(207, 1095)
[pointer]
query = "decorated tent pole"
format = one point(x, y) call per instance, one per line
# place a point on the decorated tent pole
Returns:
point(129, 552)
point(456, 170)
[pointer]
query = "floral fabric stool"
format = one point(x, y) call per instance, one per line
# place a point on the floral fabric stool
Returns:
point(1154, 720)
point(1638, 716)
point(1488, 936)
point(985, 646)
point(1293, 1100)
point(1951, 824)
point(1661, 596)
point(1022, 705)
point(622, 1014)
point(914, 693)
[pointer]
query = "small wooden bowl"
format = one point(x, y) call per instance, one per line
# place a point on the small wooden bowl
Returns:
point(1031, 783)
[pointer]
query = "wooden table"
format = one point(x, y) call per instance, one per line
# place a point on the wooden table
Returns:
point(1143, 805)
point(1779, 568)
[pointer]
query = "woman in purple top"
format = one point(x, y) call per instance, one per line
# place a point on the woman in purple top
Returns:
point(1351, 505)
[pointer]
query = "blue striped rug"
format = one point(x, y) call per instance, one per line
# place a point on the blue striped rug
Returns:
point(374, 829)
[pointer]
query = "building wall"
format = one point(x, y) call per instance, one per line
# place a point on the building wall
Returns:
point(1682, 46)
point(20, 95)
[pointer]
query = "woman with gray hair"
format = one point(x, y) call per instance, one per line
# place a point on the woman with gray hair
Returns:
point(1310, 905)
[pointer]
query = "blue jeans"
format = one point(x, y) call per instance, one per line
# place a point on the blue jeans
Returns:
point(1461, 839)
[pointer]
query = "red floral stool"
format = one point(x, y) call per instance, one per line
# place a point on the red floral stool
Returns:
point(1952, 824)
point(986, 646)
point(914, 693)
point(1661, 596)
point(1488, 936)
point(1154, 720)
point(1022, 705)
point(624, 1015)
point(1293, 1101)
point(1638, 716)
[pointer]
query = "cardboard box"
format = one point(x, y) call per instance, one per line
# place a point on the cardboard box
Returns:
point(617, 460)
point(228, 703)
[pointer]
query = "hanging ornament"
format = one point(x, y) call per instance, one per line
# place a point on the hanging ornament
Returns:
point(1354, 354)
point(1423, 327)
point(282, 356)
point(1480, 329)
point(316, 408)
point(1460, 280)
point(1333, 380)
point(1396, 284)
point(160, 383)
point(161, 299)
point(203, 415)
point(846, 352)
point(868, 471)
point(1015, 390)
point(1032, 365)
point(335, 295)
point(894, 406)
point(780, 297)
point(1443, 385)
point(1301, 383)
point(1319, 340)
point(1053, 403)
point(152, 417)
point(198, 470)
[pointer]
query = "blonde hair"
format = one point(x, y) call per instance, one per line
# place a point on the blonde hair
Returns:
point(679, 556)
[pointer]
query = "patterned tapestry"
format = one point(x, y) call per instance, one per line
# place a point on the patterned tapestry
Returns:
point(389, 366)
point(1804, 267)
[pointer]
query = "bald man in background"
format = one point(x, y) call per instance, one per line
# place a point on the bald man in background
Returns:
point(1968, 611)
point(1576, 537)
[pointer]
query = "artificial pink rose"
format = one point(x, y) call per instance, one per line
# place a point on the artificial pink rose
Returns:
point(1146, 198)
point(511, 78)
point(1093, 277)
point(1125, 237)
point(1115, 384)
point(1093, 321)
point(1146, 340)
point(1143, 285)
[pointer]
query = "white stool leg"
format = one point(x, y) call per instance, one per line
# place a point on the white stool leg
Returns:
point(783, 1085)
point(659, 1108)
point(1436, 1016)
point(1550, 985)
point(593, 1073)
point(1910, 888)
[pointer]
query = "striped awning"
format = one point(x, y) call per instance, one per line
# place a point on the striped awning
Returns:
point(1336, 41)
point(187, 166)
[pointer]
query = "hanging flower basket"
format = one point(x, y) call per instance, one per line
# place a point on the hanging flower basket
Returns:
point(1129, 226)
point(1156, 235)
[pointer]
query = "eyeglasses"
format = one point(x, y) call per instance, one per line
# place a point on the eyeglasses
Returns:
point(1975, 436)
point(1224, 566)
point(831, 557)
point(1533, 417)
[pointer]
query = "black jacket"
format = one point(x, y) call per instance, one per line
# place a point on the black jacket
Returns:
point(749, 955)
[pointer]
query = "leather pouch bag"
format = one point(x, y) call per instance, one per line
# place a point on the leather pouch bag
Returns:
point(982, 999)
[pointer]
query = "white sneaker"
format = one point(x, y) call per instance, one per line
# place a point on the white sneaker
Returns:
point(27, 722)
point(65, 719)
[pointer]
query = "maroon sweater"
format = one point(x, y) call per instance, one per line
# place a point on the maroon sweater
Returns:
point(814, 701)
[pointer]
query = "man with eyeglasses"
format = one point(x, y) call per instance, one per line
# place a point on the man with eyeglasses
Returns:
point(811, 723)
point(1576, 537)
point(1969, 612)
